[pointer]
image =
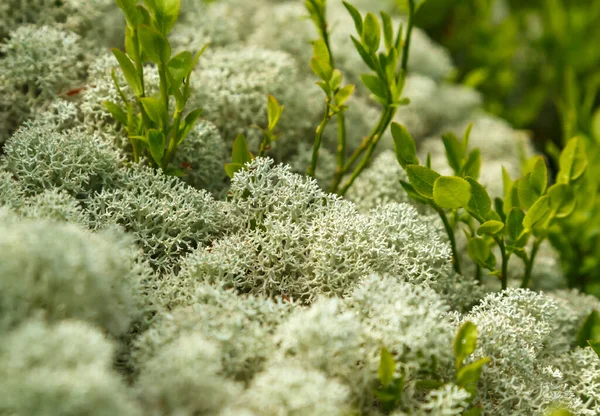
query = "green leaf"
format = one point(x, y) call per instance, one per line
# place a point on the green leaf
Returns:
point(387, 367)
point(573, 161)
point(364, 54)
point(232, 168)
point(274, 111)
point(514, 223)
point(320, 51)
point(371, 35)
point(388, 30)
point(527, 194)
point(595, 346)
point(154, 44)
point(538, 212)
point(480, 252)
point(472, 166)
point(180, 66)
point(596, 125)
point(321, 68)
point(188, 123)
point(344, 94)
point(562, 200)
point(356, 16)
point(155, 109)
point(480, 202)
point(468, 376)
point(240, 153)
point(165, 13)
point(129, 71)
point(465, 342)
point(491, 227)
point(404, 145)
point(130, 10)
point(455, 152)
point(451, 192)
point(539, 176)
point(375, 85)
point(474, 411)
point(412, 193)
point(422, 179)
point(116, 111)
point(156, 142)
point(589, 330)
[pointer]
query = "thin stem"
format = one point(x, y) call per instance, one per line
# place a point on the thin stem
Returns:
point(505, 258)
point(405, 49)
point(173, 142)
point(529, 263)
point(387, 117)
point(317, 144)
point(341, 151)
point(452, 238)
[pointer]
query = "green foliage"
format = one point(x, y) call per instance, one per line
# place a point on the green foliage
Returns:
point(529, 207)
point(468, 374)
point(150, 125)
point(389, 394)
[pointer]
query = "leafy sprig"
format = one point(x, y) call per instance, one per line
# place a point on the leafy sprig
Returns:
point(151, 127)
point(527, 211)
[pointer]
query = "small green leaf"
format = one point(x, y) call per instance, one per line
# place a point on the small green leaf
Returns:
point(274, 111)
point(538, 212)
point(472, 166)
point(130, 10)
point(539, 176)
point(320, 51)
point(116, 111)
point(589, 330)
point(455, 152)
point(465, 342)
point(422, 179)
point(514, 223)
point(232, 168)
point(596, 125)
point(375, 85)
point(480, 252)
point(240, 153)
point(573, 161)
point(474, 411)
point(156, 142)
point(356, 16)
point(364, 54)
point(480, 202)
point(321, 68)
point(468, 376)
point(412, 193)
point(527, 194)
point(387, 367)
point(154, 44)
point(165, 13)
point(404, 145)
point(562, 200)
point(188, 123)
point(344, 94)
point(491, 227)
point(371, 35)
point(595, 346)
point(129, 71)
point(154, 108)
point(451, 192)
point(180, 66)
point(388, 30)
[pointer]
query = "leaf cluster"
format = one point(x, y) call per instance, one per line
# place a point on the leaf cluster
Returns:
point(528, 209)
point(151, 127)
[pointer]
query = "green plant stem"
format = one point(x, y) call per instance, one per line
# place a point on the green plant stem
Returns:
point(341, 152)
point(529, 264)
point(505, 258)
point(317, 143)
point(409, 28)
point(173, 142)
point(382, 126)
point(452, 238)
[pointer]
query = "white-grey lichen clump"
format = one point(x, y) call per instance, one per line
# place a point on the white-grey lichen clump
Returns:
point(126, 291)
